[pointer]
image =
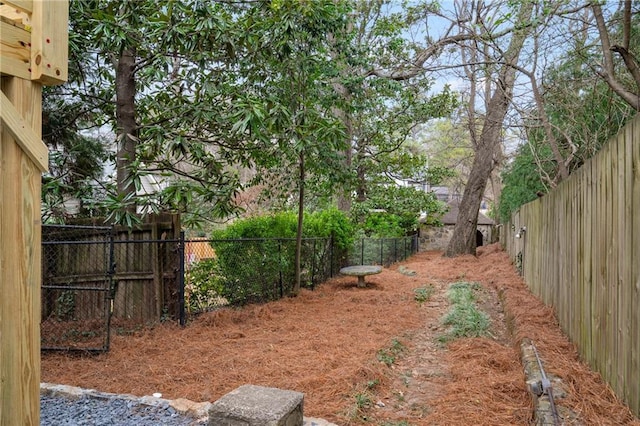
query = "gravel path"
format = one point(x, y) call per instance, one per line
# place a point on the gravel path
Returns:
point(109, 410)
point(62, 405)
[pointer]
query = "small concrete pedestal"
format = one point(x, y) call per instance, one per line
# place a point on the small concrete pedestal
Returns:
point(251, 405)
point(361, 271)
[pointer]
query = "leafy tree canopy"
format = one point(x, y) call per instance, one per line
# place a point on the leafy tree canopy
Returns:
point(522, 181)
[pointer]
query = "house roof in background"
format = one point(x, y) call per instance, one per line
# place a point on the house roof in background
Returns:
point(451, 217)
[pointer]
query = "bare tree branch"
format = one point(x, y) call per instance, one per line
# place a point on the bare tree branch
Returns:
point(417, 64)
point(630, 62)
point(626, 25)
point(608, 71)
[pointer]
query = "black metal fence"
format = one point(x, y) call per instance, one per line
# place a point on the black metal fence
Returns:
point(96, 280)
point(77, 287)
point(383, 251)
point(242, 271)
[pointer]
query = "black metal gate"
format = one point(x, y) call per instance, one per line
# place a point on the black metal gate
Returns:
point(77, 287)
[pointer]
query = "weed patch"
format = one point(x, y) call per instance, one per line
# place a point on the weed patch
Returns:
point(464, 319)
point(423, 294)
point(388, 355)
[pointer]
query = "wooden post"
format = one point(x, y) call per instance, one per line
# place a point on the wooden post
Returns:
point(157, 262)
point(20, 245)
point(33, 51)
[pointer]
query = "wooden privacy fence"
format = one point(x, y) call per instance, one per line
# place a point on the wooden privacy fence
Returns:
point(77, 282)
point(97, 277)
point(579, 250)
point(146, 274)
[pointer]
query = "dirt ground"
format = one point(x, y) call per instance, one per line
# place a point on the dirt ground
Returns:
point(363, 355)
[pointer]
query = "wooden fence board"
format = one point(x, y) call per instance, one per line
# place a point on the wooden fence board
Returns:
point(612, 260)
point(563, 282)
point(572, 240)
point(597, 256)
point(536, 287)
point(586, 282)
point(544, 266)
point(579, 259)
point(609, 285)
point(624, 276)
point(634, 255)
point(558, 259)
point(600, 260)
point(600, 297)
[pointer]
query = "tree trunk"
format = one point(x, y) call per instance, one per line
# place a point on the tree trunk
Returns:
point(297, 285)
point(361, 172)
point(344, 196)
point(463, 240)
point(126, 124)
point(548, 131)
point(608, 72)
point(344, 192)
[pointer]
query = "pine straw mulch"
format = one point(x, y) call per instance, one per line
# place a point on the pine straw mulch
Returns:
point(326, 343)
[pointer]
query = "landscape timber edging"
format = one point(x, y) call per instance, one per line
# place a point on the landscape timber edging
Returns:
point(543, 403)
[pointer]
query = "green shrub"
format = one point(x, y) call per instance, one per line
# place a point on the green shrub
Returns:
point(331, 223)
point(280, 225)
point(261, 266)
point(326, 223)
point(255, 269)
point(204, 286)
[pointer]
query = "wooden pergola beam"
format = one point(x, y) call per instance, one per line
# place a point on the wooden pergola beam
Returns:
point(23, 5)
point(49, 42)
